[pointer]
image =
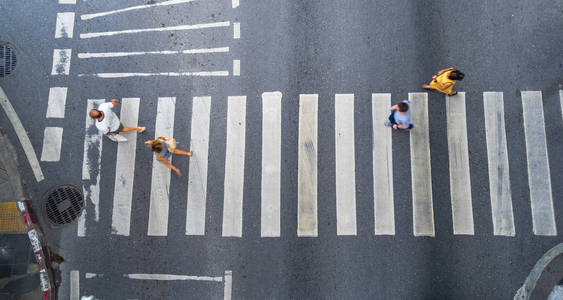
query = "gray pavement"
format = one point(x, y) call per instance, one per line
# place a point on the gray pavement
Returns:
point(313, 47)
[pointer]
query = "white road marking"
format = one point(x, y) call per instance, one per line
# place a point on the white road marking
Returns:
point(423, 211)
point(271, 164)
point(160, 184)
point(227, 294)
point(236, 67)
point(460, 181)
point(345, 164)
point(236, 30)
point(91, 165)
point(156, 29)
point(52, 141)
point(497, 154)
point(164, 52)
point(168, 277)
point(539, 179)
point(67, 1)
point(307, 166)
point(197, 183)
point(61, 61)
point(125, 169)
point(22, 136)
point(65, 25)
point(170, 74)
point(561, 100)
point(92, 275)
point(111, 12)
point(236, 3)
point(57, 102)
point(384, 212)
point(234, 166)
point(74, 285)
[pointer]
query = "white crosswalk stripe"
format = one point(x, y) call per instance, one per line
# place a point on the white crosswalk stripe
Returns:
point(497, 153)
point(125, 169)
point(539, 177)
point(272, 220)
point(160, 183)
point(460, 182)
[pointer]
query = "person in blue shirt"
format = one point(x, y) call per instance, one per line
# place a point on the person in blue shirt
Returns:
point(400, 117)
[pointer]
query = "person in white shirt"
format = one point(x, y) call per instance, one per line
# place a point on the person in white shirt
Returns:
point(108, 123)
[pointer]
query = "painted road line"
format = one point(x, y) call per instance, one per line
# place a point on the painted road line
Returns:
point(22, 136)
point(91, 165)
point(170, 74)
point(65, 25)
point(539, 179)
point(197, 183)
point(236, 30)
point(227, 294)
point(561, 101)
point(125, 169)
point(384, 211)
point(460, 181)
point(497, 154)
point(156, 29)
point(234, 166)
point(307, 166)
point(236, 3)
point(52, 141)
point(345, 164)
point(236, 67)
point(160, 184)
point(271, 164)
point(74, 285)
point(57, 102)
point(172, 277)
point(164, 52)
point(422, 207)
point(111, 12)
point(61, 61)
point(67, 1)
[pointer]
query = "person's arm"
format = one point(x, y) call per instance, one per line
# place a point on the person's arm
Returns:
point(443, 86)
point(446, 70)
point(169, 165)
point(395, 107)
point(114, 102)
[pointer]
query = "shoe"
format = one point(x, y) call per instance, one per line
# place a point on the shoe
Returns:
point(142, 129)
point(387, 123)
point(117, 138)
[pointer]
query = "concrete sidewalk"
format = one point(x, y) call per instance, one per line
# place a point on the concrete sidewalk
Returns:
point(19, 272)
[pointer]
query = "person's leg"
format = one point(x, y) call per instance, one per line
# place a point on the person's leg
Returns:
point(392, 117)
point(127, 129)
point(452, 93)
point(182, 152)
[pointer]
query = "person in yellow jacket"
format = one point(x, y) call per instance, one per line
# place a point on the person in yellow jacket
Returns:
point(445, 80)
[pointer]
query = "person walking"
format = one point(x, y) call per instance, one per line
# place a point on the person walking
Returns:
point(445, 80)
point(400, 117)
point(164, 147)
point(108, 123)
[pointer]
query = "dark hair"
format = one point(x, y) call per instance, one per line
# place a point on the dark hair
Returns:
point(456, 75)
point(157, 146)
point(403, 106)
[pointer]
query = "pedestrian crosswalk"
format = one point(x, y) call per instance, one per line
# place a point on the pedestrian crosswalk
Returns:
point(271, 217)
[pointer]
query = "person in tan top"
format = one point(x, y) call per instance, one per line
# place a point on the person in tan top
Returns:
point(444, 81)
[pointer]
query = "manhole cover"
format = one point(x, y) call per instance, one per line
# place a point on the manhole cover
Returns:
point(63, 204)
point(7, 60)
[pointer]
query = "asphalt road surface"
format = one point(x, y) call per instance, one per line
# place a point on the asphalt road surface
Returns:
point(295, 190)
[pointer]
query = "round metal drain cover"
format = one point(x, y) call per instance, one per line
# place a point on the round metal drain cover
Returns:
point(63, 204)
point(7, 60)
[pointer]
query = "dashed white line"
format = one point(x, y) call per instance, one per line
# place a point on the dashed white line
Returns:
point(22, 136)
point(236, 67)
point(227, 294)
point(156, 29)
point(57, 102)
point(236, 30)
point(65, 25)
point(164, 52)
point(170, 74)
point(52, 141)
point(74, 285)
point(111, 12)
point(61, 61)
point(169, 277)
point(236, 3)
point(67, 1)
